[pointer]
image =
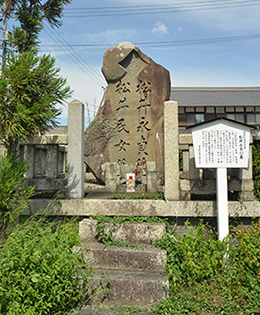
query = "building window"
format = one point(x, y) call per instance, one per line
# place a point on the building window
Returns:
point(231, 116)
point(240, 117)
point(190, 119)
point(236, 116)
point(194, 118)
point(253, 118)
point(199, 118)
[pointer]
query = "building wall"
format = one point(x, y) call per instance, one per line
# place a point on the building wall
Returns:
point(190, 115)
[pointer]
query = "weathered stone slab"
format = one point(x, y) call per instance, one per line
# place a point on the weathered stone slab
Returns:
point(128, 127)
point(124, 258)
point(143, 233)
point(91, 207)
point(128, 288)
point(141, 289)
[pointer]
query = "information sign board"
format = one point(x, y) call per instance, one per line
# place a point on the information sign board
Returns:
point(221, 144)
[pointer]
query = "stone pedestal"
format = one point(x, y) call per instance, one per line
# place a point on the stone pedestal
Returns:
point(151, 177)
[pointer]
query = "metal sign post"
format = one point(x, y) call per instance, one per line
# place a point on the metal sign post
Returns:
point(221, 143)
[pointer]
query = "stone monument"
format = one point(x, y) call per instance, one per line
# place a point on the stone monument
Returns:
point(128, 128)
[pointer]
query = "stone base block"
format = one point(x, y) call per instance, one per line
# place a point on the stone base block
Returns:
point(246, 195)
point(137, 288)
point(144, 233)
point(132, 288)
point(124, 258)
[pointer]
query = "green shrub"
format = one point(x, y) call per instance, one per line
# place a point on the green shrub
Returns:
point(191, 257)
point(13, 196)
point(256, 170)
point(39, 270)
point(245, 255)
point(208, 276)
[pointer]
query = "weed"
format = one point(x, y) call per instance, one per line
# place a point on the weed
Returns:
point(39, 270)
point(159, 196)
point(105, 235)
point(204, 279)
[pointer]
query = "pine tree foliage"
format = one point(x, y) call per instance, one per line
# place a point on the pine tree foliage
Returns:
point(30, 86)
point(30, 89)
point(31, 15)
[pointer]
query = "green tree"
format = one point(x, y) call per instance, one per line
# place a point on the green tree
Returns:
point(30, 86)
point(31, 15)
point(30, 89)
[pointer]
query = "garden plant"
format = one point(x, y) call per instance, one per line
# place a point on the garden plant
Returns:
point(208, 276)
point(39, 271)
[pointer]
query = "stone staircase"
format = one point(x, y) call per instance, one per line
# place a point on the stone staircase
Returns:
point(135, 276)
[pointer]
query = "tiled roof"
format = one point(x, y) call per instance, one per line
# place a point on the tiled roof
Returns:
point(216, 96)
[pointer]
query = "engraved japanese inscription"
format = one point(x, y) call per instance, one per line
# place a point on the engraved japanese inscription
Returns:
point(128, 127)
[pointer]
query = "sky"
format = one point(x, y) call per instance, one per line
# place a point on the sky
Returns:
point(201, 43)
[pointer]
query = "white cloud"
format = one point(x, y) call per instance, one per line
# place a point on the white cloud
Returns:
point(160, 28)
point(109, 36)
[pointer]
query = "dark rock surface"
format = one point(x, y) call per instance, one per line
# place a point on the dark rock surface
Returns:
point(128, 127)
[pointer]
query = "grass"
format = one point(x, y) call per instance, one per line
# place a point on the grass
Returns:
point(39, 271)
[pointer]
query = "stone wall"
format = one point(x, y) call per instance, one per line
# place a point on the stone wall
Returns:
point(47, 156)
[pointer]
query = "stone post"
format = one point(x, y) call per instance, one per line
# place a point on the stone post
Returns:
point(151, 177)
point(171, 151)
point(75, 162)
point(110, 176)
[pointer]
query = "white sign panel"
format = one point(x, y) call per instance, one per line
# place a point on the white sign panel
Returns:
point(221, 144)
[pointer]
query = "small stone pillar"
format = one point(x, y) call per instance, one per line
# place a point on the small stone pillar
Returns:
point(171, 151)
point(75, 162)
point(151, 177)
point(110, 176)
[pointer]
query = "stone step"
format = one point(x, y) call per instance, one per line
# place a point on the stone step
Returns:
point(142, 233)
point(144, 258)
point(103, 310)
point(131, 288)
